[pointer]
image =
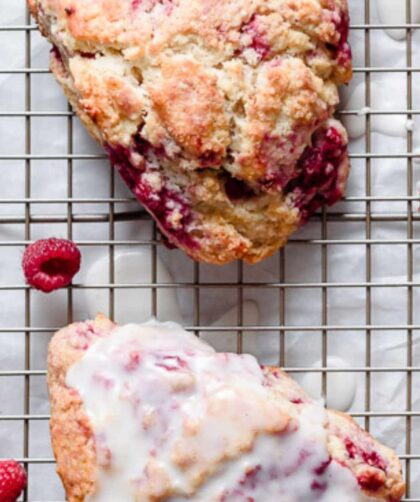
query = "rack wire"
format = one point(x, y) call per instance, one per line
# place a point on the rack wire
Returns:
point(111, 216)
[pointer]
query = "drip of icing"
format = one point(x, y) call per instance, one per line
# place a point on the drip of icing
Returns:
point(394, 12)
point(388, 94)
point(226, 341)
point(409, 125)
point(341, 387)
point(174, 420)
point(131, 304)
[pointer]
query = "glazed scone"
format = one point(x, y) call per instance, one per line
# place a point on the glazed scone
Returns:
point(147, 413)
point(217, 113)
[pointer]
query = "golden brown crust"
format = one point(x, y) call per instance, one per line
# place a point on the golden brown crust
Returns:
point(71, 434)
point(185, 85)
point(111, 100)
point(62, 77)
point(189, 88)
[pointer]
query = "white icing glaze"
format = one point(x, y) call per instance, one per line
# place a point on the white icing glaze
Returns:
point(394, 12)
point(386, 94)
point(227, 341)
point(157, 396)
point(131, 304)
point(341, 387)
point(409, 125)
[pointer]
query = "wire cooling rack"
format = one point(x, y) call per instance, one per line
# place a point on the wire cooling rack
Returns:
point(31, 212)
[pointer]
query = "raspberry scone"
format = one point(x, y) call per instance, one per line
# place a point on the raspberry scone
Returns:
point(151, 413)
point(217, 113)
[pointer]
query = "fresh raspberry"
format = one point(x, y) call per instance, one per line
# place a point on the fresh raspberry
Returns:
point(12, 480)
point(50, 264)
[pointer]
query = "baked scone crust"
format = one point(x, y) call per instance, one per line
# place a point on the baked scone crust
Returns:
point(217, 114)
point(71, 433)
point(376, 467)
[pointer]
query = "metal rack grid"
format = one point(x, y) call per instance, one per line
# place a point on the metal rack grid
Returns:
point(111, 216)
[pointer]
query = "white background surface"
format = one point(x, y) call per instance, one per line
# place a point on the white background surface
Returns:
point(303, 261)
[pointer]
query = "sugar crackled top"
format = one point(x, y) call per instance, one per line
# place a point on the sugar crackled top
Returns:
point(217, 113)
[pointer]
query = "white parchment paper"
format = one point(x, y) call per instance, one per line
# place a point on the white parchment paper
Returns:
point(348, 262)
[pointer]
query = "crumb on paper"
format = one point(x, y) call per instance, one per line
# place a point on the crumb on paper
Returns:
point(409, 125)
point(364, 111)
point(418, 194)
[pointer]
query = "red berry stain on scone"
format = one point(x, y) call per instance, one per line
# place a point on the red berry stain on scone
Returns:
point(56, 54)
point(133, 361)
point(168, 205)
point(103, 453)
point(185, 95)
point(320, 180)
point(87, 55)
point(12, 480)
point(104, 381)
point(342, 50)
point(221, 423)
point(69, 10)
point(50, 264)
point(171, 363)
point(237, 190)
point(371, 481)
point(296, 400)
point(373, 477)
point(86, 336)
point(250, 480)
point(371, 457)
point(317, 486)
point(320, 470)
point(254, 38)
point(250, 485)
point(277, 154)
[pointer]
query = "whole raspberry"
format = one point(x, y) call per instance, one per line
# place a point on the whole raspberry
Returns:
point(12, 480)
point(50, 264)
